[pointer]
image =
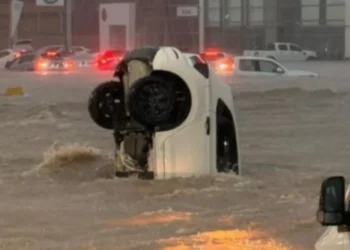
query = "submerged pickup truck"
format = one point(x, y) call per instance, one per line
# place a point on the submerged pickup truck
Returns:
point(283, 52)
point(247, 66)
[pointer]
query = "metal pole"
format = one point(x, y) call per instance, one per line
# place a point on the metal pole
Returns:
point(68, 10)
point(10, 27)
point(201, 24)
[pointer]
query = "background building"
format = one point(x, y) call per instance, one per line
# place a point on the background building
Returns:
point(156, 23)
point(313, 24)
point(232, 24)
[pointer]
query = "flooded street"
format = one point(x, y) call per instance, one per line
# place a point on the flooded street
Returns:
point(58, 190)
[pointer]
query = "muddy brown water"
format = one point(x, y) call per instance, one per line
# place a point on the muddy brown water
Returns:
point(293, 133)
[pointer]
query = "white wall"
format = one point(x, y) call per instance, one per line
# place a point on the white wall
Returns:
point(118, 14)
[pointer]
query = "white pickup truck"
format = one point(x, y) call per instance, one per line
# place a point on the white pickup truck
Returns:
point(283, 52)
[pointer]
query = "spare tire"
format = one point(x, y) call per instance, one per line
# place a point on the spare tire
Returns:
point(106, 102)
point(151, 100)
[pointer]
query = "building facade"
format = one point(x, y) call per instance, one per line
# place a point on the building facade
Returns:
point(157, 23)
point(319, 25)
point(235, 25)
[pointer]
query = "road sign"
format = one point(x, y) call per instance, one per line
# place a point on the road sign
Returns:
point(50, 2)
point(187, 11)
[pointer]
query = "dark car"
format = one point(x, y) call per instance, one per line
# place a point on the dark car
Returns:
point(44, 62)
point(22, 63)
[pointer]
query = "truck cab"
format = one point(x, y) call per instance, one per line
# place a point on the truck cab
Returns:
point(334, 213)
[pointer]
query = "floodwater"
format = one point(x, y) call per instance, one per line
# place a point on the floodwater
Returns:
point(58, 191)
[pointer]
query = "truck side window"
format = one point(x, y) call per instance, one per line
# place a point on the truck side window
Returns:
point(283, 47)
point(26, 58)
point(266, 66)
point(226, 142)
point(294, 48)
point(246, 65)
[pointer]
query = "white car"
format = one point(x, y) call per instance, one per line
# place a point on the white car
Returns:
point(283, 52)
point(263, 66)
point(6, 55)
point(170, 114)
point(334, 213)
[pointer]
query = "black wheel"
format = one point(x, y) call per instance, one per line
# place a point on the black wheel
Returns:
point(106, 102)
point(151, 101)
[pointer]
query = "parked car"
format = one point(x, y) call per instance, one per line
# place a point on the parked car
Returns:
point(283, 52)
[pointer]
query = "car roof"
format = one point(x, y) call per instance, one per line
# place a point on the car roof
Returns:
point(253, 58)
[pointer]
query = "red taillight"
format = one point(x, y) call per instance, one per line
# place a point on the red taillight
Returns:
point(225, 65)
point(68, 64)
point(51, 53)
point(41, 64)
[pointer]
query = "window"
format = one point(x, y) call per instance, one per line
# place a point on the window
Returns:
point(266, 66)
point(26, 58)
point(256, 12)
point(232, 13)
point(247, 65)
point(283, 47)
point(226, 140)
point(4, 53)
point(200, 66)
point(195, 60)
point(294, 48)
point(310, 12)
point(335, 14)
point(213, 13)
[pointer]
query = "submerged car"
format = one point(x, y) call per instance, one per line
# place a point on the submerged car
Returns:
point(22, 63)
point(45, 62)
point(170, 114)
point(263, 66)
